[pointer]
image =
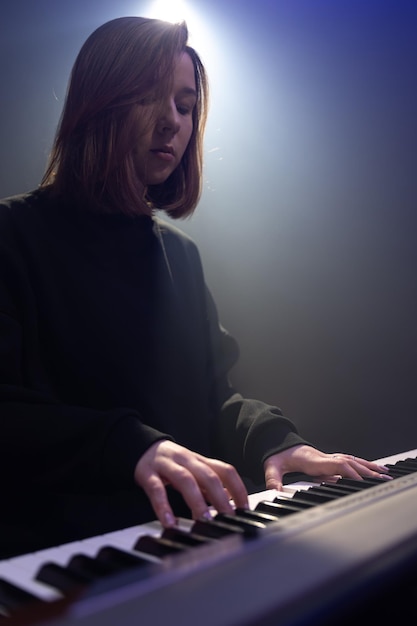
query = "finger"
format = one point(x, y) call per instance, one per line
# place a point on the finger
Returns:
point(156, 492)
point(355, 467)
point(187, 482)
point(223, 483)
point(375, 468)
point(209, 486)
point(167, 463)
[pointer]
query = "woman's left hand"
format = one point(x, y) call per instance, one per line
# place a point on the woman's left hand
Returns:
point(308, 460)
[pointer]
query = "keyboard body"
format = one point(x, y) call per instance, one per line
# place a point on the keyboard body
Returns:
point(310, 567)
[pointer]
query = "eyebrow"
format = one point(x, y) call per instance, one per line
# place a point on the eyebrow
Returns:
point(188, 91)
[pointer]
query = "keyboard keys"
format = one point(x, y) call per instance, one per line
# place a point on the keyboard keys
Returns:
point(264, 518)
point(187, 539)
point(360, 484)
point(13, 598)
point(306, 495)
point(397, 470)
point(120, 560)
point(15, 572)
point(297, 504)
point(347, 489)
point(411, 464)
point(335, 490)
point(216, 529)
point(61, 578)
point(90, 567)
point(250, 527)
point(279, 509)
point(158, 546)
point(57, 572)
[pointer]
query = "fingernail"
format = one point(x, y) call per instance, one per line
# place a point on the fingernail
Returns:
point(386, 477)
point(207, 515)
point(169, 519)
point(383, 468)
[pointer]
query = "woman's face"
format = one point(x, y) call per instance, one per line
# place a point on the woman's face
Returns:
point(161, 147)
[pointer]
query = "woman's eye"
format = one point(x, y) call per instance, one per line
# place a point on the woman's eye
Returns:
point(183, 110)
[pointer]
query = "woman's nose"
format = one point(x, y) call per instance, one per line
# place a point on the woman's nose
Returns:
point(169, 118)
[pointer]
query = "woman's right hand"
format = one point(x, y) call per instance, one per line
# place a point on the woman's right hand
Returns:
point(203, 482)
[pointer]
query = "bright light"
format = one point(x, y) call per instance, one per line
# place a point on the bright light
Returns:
point(199, 35)
point(169, 10)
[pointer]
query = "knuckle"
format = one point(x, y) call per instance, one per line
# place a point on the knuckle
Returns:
point(154, 488)
point(229, 471)
point(183, 475)
point(181, 457)
point(212, 479)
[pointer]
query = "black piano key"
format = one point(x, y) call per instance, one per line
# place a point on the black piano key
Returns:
point(397, 466)
point(397, 470)
point(13, 598)
point(251, 527)
point(259, 516)
point(290, 500)
point(89, 567)
point(397, 474)
point(157, 546)
point(410, 462)
point(373, 481)
point(332, 491)
point(280, 509)
point(360, 484)
point(122, 564)
point(119, 559)
point(61, 578)
point(188, 539)
point(305, 495)
point(216, 529)
point(347, 489)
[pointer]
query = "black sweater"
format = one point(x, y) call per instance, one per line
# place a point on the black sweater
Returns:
point(109, 341)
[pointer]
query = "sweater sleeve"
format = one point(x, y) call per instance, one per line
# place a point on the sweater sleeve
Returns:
point(53, 445)
point(247, 431)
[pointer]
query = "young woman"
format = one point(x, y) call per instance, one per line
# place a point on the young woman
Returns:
point(115, 402)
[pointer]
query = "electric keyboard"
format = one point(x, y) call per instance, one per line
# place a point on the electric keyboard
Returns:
point(305, 552)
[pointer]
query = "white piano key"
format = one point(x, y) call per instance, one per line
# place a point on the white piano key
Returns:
point(24, 579)
point(27, 562)
point(254, 498)
point(302, 484)
point(126, 538)
point(184, 524)
point(60, 554)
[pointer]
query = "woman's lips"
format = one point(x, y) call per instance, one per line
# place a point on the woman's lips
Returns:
point(164, 156)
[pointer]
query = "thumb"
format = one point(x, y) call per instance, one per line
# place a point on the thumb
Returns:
point(273, 477)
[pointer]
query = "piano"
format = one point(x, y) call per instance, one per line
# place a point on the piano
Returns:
point(317, 554)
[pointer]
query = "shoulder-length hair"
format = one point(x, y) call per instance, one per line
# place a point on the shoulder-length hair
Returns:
point(123, 62)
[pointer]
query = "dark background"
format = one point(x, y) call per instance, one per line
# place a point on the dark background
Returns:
point(307, 224)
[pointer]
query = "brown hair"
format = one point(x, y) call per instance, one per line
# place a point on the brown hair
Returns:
point(123, 62)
